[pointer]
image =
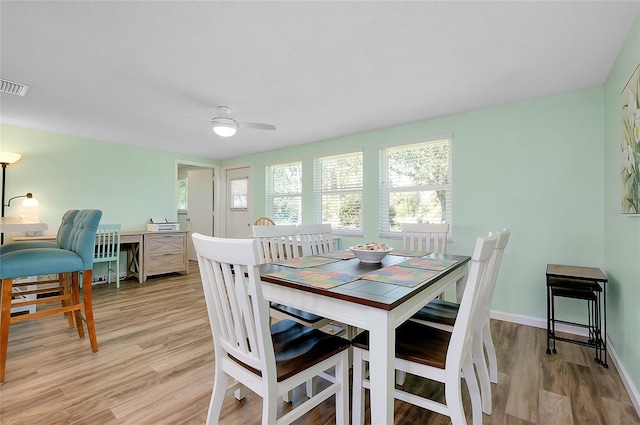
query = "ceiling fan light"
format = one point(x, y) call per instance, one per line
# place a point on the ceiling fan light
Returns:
point(223, 130)
point(225, 127)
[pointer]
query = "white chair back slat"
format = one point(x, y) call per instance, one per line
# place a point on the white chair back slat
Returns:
point(316, 238)
point(277, 243)
point(425, 237)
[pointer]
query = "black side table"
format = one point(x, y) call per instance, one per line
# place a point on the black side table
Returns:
point(583, 283)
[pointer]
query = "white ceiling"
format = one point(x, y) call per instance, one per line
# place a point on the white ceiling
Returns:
point(126, 71)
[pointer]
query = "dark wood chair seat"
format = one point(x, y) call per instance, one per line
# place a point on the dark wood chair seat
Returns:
point(297, 314)
point(298, 347)
point(417, 343)
point(439, 311)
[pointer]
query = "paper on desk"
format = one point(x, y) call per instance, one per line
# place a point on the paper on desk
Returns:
point(30, 218)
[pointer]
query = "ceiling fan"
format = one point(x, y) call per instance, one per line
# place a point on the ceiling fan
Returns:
point(225, 126)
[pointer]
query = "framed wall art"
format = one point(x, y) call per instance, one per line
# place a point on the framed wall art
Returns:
point(630, 145)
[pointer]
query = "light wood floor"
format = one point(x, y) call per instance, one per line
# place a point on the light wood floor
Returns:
point(155, 366)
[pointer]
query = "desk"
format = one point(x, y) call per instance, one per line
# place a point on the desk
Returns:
point(582, 283)
point(374, 306)
point(14, 224)
point(147, 247)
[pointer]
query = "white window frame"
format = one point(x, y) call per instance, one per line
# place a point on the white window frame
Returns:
point(239, 201)
point(271, 195)
point(186, 194)
point(320, 190)
point(387, 187)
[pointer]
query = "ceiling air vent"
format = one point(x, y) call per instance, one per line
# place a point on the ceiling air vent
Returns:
point(10, 87)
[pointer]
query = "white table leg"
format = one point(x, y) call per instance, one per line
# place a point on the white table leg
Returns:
point(382, 339)
point(461, 284)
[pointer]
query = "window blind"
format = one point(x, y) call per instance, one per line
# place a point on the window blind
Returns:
point(415, 185)
point(283, 192)
point(338, 190)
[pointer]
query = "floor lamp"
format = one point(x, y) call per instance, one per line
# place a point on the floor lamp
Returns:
point(6, 158)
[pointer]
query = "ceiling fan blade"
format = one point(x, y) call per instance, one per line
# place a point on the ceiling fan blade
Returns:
point(193, 116)
point(257, 125)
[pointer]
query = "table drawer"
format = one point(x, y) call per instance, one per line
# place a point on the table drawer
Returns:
point(158, 244)
point(165, 263)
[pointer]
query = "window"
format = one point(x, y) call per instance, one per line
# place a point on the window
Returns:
point(415, 184)
point(183, 184)
point(283, 193)
point(337, 189)
point(239, 191)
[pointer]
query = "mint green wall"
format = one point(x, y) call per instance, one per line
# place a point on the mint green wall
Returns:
point(534, 167)
point(127, 183)
point(622, 233)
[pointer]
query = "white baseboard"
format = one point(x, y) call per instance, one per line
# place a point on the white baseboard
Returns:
point(576, 330)
point(626, 380)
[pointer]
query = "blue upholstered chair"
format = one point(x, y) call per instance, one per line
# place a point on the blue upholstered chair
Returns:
point(62, 239)
point(70, 262)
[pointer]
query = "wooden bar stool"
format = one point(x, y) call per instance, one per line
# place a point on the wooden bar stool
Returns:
point(67, 263)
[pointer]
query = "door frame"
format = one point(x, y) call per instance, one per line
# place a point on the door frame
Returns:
point(216, 189)
point(222, 190)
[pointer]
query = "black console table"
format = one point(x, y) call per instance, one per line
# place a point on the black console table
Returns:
point(582, 283)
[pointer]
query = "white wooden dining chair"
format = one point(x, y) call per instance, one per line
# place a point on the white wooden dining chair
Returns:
point(433, 353)
point(316, 238)
point(425, 237)
point(443, 315)
point(282, 242)
point(269, 360)
point(277, 243)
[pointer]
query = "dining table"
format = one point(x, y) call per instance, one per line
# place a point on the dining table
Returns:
point(376, 297)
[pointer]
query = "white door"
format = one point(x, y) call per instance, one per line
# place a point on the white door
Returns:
point(200, 205)
point(237, 203)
